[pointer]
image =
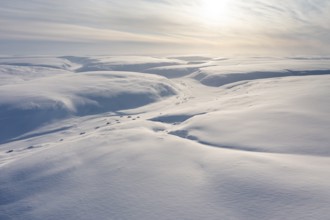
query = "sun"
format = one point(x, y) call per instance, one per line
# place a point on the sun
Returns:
point(214, 12)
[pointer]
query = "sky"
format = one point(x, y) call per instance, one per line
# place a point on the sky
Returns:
point(222, 27)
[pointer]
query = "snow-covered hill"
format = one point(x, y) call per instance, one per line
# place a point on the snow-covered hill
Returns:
point(184, 137)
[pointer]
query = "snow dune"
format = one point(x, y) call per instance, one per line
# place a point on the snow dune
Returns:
point(228, 71)
point(50, 62)
point(182, 137)
point(33, 103)
point(124, 63)
point(11, 74)
point(286, 115)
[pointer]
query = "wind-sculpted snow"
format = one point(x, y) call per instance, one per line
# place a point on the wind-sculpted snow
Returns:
point(30, 104)
point(49, 62)
point(211, 138)
point(126, 63)
point(288, 115)
point(11, 74)
point(193, 59)
point(230, 71)
point(176, 71)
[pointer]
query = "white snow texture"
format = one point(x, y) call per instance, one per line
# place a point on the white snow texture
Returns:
point(182, 137)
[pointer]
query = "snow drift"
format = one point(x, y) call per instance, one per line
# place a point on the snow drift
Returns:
point(228, 71)
point(216, 138)
point(288, 115)
point(32, 103)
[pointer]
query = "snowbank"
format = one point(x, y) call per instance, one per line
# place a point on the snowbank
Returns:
point(233, 70)
point(49, 62)
point(30, 104)
point(287, 115)
point(124, 63)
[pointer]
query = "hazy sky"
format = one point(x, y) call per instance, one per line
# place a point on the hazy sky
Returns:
point(256, 27)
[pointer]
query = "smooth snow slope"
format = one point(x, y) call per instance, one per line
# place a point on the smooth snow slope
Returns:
point(217, 139)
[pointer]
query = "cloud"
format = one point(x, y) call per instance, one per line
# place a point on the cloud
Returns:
point(168, 23)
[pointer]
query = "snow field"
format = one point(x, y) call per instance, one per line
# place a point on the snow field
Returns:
point(211, 138)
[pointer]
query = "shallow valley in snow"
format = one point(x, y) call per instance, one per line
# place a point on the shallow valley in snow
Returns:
point(181, 137)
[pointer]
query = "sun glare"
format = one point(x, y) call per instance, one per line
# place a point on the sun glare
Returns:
point(214, 12)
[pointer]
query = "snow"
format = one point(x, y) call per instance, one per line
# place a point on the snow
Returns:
point(182, 137)
point(11, 74)
point(24, 107)
point(223, 72)
point(292, 119)
point(52, 62)
point(122, 63)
